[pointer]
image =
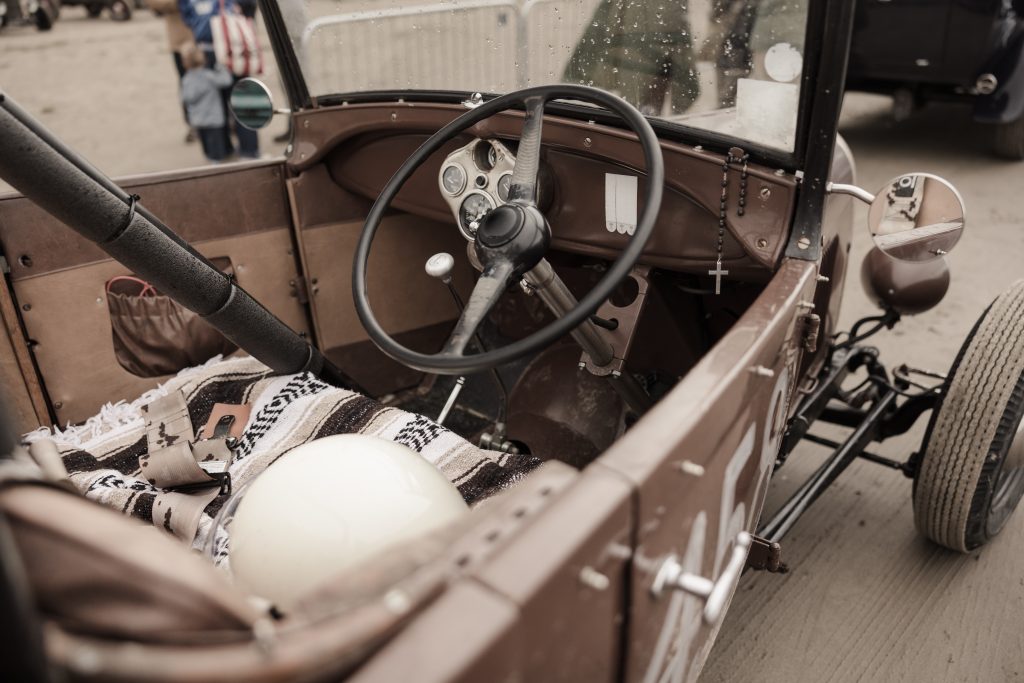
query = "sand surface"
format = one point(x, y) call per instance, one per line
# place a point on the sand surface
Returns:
point(867, 599)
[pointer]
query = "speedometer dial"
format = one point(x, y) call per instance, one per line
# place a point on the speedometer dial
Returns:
point(474, 207)
point(453, 179)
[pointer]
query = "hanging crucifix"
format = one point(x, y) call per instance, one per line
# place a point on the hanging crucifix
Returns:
point(718, 273)
point(735, 155)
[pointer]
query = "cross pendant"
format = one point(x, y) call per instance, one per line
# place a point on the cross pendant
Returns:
point(718, 273)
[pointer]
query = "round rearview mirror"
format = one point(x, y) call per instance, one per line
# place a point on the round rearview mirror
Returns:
point(916, 217)
point(251, 103)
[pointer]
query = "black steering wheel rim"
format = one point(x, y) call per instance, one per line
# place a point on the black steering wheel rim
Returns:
point(466, 364)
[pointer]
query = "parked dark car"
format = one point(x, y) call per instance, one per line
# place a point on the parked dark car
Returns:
point(924, 50)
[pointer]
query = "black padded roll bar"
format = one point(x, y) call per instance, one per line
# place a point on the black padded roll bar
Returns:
point(68, 187)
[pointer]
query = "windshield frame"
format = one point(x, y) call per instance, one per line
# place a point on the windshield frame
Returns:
point(826, 50)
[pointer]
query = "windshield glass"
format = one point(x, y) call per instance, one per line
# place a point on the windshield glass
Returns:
point(730, 66)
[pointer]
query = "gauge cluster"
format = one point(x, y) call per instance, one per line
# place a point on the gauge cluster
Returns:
point(474, 180)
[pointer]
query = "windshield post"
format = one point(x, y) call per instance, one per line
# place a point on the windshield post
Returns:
point(825, 89)
point(284, 54)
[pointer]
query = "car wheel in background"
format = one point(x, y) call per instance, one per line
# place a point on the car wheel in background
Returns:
point(971, 475)
point(94, 9)
point(120, 10)
point(1008, 140)
point(45, 15)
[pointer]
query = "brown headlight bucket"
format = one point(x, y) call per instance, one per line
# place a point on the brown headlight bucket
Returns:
point(906, 286)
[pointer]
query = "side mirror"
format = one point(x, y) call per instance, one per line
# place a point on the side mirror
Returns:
point(915, 217)
point(251, 103)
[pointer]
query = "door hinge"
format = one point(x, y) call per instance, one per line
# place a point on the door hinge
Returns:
point(811, 326)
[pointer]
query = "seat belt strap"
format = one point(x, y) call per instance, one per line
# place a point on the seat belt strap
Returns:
point(176, 459)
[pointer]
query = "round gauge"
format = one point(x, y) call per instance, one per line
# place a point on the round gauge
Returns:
point(504, 185)
point(453, 179)
point(485, 155)
point(475, 206)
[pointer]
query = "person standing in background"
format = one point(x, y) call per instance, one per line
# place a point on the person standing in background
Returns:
point(197, 15)
point(179, 37)
point(200, 93)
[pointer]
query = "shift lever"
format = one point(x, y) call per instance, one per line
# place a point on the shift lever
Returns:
point(440, 266)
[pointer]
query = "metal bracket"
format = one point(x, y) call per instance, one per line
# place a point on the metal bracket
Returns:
point(811, 323)
point(766, 556)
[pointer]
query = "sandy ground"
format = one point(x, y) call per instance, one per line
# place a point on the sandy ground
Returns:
point(867, 599)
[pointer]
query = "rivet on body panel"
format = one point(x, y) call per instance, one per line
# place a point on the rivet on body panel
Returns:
point(592, 578)
point(85, 660)
point(691, 468)
point(803, 243)
point(587, 142)
point(762, 243)
point(396, 601)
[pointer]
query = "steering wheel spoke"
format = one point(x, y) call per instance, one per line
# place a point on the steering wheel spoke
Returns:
point(523, 187)
point(488, 289)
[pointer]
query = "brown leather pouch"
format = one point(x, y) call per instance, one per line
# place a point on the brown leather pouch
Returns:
point(153, 335)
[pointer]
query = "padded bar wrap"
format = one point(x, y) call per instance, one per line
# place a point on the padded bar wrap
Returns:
point(241, 314)
point(188, 279)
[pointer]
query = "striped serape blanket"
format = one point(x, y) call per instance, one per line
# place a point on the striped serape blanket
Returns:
point(102, 455)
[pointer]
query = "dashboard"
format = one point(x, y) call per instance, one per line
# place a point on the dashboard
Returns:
point(586, 169)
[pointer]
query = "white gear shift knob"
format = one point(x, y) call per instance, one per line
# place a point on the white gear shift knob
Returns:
point(440, 266)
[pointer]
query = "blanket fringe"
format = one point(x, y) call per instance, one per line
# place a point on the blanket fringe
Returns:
point(113, 418)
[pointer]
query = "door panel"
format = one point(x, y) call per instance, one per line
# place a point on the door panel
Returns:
point(727, 422)
point(58, 278)
point(410, 305)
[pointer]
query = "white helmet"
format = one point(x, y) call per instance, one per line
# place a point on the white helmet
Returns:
point(329, 505)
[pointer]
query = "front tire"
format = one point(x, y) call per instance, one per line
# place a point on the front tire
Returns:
point(1008, 140)
point(971, 475)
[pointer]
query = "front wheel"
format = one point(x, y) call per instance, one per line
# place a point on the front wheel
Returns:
point(1008, 140)
point(971, 475)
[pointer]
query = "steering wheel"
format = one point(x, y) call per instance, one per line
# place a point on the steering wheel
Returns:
point(513, 238)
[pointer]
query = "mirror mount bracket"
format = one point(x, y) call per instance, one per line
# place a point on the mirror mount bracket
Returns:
point(852, 190)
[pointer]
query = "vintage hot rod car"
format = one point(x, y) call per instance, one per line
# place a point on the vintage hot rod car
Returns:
point(634, 266)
